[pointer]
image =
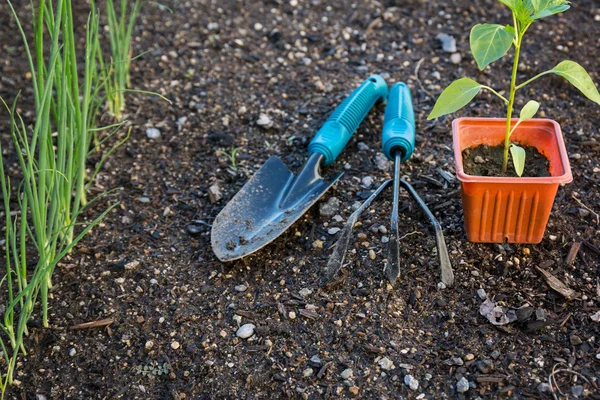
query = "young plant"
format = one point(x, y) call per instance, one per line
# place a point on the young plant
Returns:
point(490, 42)
point(231, 157)
point(41, 211)
point(120, 30)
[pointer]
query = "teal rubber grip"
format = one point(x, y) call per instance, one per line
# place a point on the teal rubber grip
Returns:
point(399, 123)
point(333, 136)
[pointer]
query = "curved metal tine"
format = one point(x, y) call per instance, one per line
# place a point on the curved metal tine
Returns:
point(447, 275)
point(334, 264)
point(392, 264)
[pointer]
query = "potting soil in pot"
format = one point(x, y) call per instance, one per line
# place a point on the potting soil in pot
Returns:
point(486, 160)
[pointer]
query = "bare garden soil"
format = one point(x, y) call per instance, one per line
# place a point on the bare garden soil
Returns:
point(149, 267)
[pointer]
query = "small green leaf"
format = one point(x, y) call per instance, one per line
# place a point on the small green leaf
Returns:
point(454, 97)
point(524, 11)
point(490, 42)
point(546, 8)
point(579, 78)
point(518, 158)
point(530, 109)
point(509, 3)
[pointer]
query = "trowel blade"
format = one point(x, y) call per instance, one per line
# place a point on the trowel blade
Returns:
point(268, 204)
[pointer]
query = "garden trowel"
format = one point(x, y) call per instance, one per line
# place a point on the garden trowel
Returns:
point(274, 198)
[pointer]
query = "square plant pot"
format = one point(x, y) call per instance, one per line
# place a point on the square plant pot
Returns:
point(515, 210)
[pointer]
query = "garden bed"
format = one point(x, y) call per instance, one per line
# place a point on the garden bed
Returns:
point(149, 267)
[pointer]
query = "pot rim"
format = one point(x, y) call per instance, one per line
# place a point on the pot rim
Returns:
point(564, 159)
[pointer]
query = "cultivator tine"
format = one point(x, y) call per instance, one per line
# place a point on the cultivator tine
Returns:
point(336, 259)
point(447, 275)
point(392, 265)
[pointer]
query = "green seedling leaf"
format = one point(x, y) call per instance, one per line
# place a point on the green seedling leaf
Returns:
point(509, 3)
point(530, 109)
point(490, 42)
point(524, 11)
point(518, 158)
point(546, 8)
point(579, 78)
point(454, 97)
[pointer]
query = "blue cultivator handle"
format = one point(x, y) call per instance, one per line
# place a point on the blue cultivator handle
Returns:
point(337, 131)
point(399, 123)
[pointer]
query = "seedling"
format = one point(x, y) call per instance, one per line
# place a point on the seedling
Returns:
point(153, 369)
point(231, 156)
point(490, 42)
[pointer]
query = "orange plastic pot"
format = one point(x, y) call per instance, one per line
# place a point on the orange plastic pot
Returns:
point(516, 210)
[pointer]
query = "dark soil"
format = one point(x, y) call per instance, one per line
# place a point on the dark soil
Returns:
point(487, 161)
point(149, 267)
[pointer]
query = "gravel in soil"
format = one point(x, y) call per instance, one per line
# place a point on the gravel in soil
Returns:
point(263, 76)
point(486, 160)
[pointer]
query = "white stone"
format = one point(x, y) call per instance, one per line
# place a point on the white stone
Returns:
point(347, 373)
point(245, 331)
point(463, 385)
point(152, 133)
point(386, 364)
point(411, 382)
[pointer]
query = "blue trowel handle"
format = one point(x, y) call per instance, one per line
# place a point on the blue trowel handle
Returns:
point(337, 131)
point(399, 123)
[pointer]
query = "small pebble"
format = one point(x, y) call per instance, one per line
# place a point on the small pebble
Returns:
point(315, 361)
point(292, 315)
point(479, 160)
point(448, 42)
point(575, 340)
point(354, 390)
point(175, 345)
point(152, 133)
point(385, 239)
point(305, 292)
point(386, 364)
point(577, 390)
point(330, 207)
point(481, 293)
point(149, 344)
point(258, 26)
point(470, 357)
point(455, 58)
point(317, 244)
point(367, 182)
point(72, 352)
point(333, 231)
point(485, 366)
point(241, 288)
point(362, 146)
point(347, 373)
point(194, 229)
point(441, 285)
point(411, 382)
point(544, 388)
point(307, 372)
point(372, 254)
point(526, 251)
point(381, 162)
point(245, 331)
point(264, 121)
point(462, 385)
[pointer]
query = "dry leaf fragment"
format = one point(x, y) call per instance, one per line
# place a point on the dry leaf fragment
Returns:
point(557, 285)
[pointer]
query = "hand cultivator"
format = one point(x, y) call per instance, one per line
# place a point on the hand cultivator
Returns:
point(398, 144)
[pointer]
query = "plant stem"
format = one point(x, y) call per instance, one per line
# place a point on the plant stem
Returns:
point(511, 98)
